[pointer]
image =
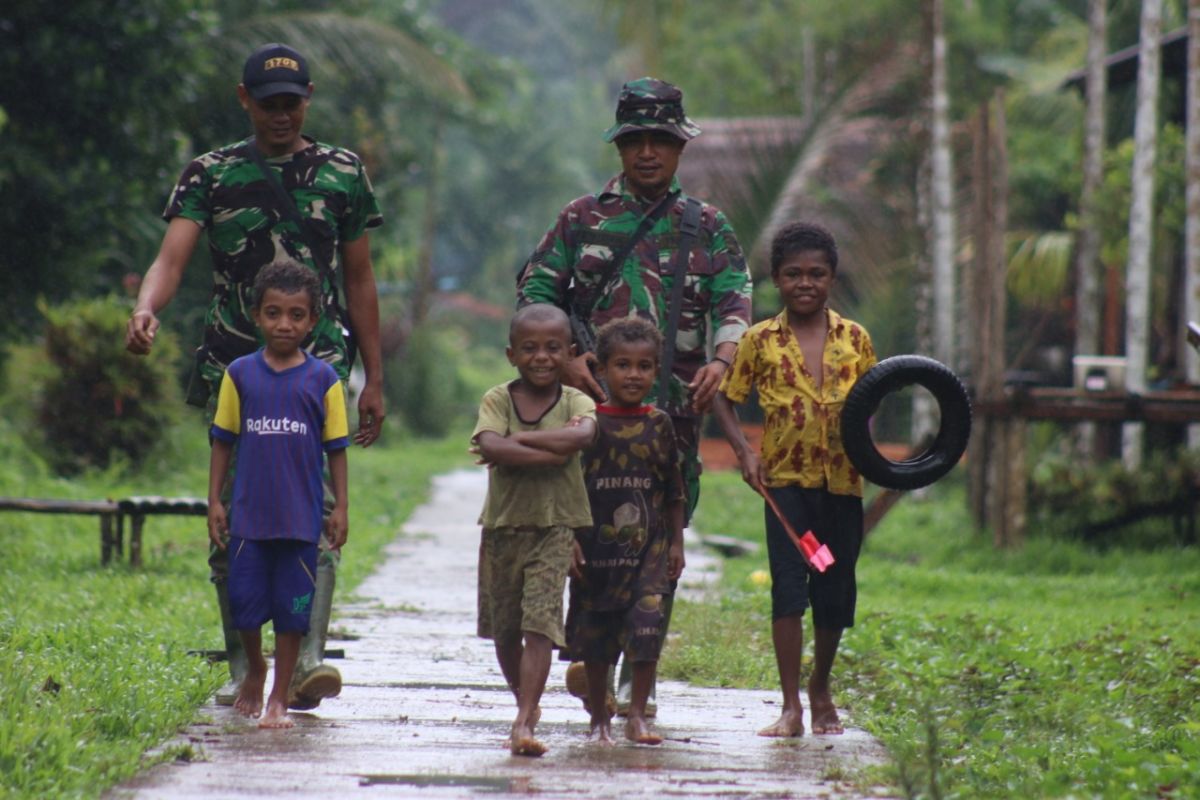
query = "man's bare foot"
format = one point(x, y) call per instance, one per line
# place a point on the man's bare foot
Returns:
point(638, 730)
point(249, 702)
point(825, 720)
point(790, 723)
point(601, 730)
point(276, 716)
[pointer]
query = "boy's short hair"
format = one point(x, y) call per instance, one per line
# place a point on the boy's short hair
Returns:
point(538, 312)
point(626, 330)
point(799, 237)
point(288, 277)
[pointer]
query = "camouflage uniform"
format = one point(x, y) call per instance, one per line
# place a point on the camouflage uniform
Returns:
point(573, 254)
point(716, 296)
point(225, 193)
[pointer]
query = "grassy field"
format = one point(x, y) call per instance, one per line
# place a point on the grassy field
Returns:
point(94, 671)
point(1057, 670)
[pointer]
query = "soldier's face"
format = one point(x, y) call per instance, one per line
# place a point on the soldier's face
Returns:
point(277, 120)
point(649, 160)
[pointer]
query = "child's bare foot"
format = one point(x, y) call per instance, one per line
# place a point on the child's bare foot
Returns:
point(790, 723)
point(523, 743)
point(638, 730)
point(825, 719)
point(601, 730)
point(276, 716)
point(249, 702)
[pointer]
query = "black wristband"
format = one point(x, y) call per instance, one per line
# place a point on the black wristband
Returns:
point(726, 362)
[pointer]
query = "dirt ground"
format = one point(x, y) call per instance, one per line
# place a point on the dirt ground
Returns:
point(424, 711)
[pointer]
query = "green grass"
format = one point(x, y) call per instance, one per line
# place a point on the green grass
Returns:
point(1055, 670)
point(94, 671)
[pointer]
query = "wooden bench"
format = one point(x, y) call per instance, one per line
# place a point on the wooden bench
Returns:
point(112, 515)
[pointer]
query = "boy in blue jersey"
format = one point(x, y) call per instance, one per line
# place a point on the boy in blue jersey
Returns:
point(285, 410)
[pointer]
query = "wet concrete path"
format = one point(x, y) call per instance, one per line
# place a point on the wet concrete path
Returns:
point(424, 711)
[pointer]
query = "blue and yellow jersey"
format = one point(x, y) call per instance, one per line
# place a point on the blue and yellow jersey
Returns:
point(283, 423)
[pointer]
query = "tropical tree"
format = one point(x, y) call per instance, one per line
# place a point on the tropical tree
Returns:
point(1088, 300)
point(1141, 222)
point(94, 99)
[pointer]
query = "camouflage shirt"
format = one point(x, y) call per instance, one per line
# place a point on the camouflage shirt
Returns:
point(225, 193)
point(577, 248)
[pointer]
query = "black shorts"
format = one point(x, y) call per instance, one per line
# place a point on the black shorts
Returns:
point(837, 521)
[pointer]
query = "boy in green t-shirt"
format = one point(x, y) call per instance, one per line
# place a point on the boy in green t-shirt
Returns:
point(529, 434)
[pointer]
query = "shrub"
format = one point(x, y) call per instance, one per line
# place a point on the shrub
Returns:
point(1091, 501)
point(424, 382)
point(88, 399)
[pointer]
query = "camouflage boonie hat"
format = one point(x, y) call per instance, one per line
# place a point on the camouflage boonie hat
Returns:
point(649, 104)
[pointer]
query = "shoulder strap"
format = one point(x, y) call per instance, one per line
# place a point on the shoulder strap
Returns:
point(689, 230)
point(288, 206)
point(583, 306)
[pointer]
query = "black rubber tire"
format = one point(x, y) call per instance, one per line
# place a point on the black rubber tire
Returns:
point(890, 375)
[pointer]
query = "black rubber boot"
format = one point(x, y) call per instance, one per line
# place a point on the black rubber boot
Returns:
point(236, 656)
point(314, 680)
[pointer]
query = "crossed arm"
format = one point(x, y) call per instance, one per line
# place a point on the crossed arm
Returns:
point(535, 448)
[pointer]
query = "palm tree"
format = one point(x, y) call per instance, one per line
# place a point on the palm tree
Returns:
point(942, 192)
point(1088, 300)
point(936, 299)
point(1141, 222)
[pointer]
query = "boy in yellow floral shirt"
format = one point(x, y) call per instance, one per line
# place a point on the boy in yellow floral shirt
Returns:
point(803, 363)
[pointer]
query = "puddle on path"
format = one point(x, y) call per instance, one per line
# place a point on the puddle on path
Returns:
point(482, 785)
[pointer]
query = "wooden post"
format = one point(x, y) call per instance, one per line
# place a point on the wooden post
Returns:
point(996, 457)
point(106, 537)
point(1013, 466)
point(975, 282)
point(135, 539)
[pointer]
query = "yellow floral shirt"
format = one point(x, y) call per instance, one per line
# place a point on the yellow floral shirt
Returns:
point(802, 437)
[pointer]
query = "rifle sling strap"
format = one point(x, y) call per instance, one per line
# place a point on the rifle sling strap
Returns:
point(288, 206)
point(583, 309)
point(689, 230)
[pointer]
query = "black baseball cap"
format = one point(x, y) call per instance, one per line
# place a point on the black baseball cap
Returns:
point(275, 69)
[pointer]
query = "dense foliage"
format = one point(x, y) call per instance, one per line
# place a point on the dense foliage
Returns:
point(88, 400)
point(96, 101)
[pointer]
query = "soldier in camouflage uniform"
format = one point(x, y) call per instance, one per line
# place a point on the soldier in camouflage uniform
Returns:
point(650, 132)
point(225, 194)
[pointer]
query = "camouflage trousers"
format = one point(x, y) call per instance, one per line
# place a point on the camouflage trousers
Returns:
point(687, 447)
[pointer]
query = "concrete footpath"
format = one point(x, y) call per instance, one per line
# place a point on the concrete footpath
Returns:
point(424, 711)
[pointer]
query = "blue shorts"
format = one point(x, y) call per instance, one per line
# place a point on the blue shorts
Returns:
point(271, 579)
point(837, 521)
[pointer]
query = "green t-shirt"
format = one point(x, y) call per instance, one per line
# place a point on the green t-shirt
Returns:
point(534, 496)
